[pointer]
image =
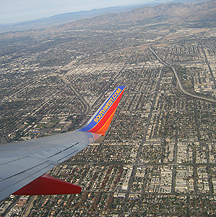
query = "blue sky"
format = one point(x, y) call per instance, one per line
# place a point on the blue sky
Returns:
point(13, 11)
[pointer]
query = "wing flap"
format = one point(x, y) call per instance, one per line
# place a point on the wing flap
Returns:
point(20, 166)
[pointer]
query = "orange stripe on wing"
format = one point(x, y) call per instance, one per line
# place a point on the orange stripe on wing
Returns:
point(104, 128)
point(106, 116)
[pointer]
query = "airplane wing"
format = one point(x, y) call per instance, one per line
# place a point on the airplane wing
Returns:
point(23, 164)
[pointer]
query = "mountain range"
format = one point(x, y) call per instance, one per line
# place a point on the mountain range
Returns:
point(205, 12)
point(173, 12)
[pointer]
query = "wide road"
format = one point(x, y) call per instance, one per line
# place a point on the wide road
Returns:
point(208, 64)
point(85, 104)
point(140, 150)
point(178, 80)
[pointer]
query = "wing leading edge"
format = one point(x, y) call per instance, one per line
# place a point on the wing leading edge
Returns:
point(23, 164)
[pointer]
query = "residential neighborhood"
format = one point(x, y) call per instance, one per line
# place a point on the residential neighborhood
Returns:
point(158, 156)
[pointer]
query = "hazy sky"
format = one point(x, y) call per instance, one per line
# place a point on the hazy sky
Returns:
point(12, 11)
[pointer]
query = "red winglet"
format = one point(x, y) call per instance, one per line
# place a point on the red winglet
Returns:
point(48, 185)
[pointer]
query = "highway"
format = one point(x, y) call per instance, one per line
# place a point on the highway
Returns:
point(178, 80)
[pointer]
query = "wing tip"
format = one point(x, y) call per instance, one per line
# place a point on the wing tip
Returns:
point(100, 121)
